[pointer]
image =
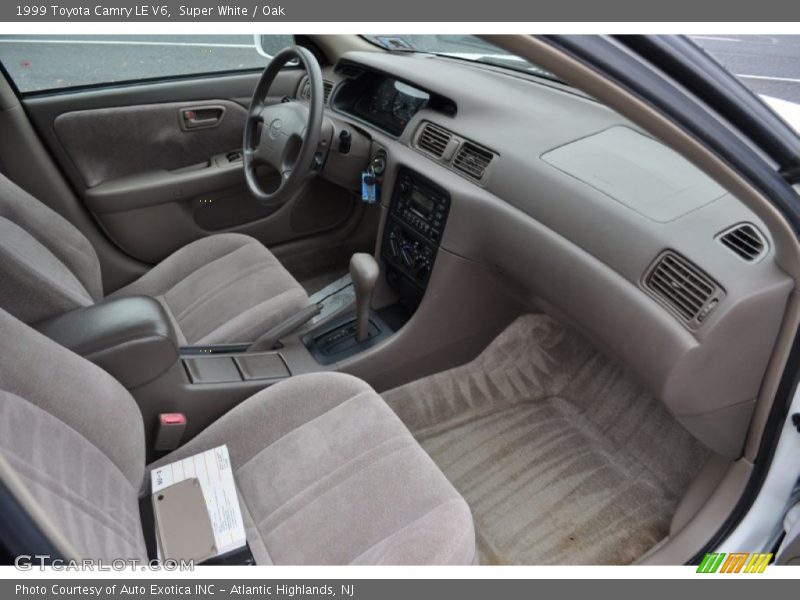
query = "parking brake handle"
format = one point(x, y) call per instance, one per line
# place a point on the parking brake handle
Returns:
point(270, 339)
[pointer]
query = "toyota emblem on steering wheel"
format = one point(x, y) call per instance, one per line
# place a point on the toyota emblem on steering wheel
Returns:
point(275, 128)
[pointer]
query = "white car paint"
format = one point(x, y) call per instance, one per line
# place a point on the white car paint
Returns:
point(788, 111)
point(762, 524)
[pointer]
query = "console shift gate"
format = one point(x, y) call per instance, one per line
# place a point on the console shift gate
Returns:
point(351, 333)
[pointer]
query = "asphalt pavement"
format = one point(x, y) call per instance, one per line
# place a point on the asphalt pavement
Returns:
point(768, 65)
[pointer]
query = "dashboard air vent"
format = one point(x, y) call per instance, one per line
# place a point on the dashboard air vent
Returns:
point(472, 160)
point(434, 140)
point(745, 240)
point(305, 90)
point(683, 287)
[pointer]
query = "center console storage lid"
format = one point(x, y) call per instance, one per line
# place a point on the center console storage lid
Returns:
point(131, 338)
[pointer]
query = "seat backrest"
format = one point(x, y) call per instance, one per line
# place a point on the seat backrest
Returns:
point(75, 437)
point(47, 266)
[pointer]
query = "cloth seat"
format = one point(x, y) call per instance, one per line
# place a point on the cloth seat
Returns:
point(326, 472)
point(224, 288)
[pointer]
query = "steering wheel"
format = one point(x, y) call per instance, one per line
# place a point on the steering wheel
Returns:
point(290, 133)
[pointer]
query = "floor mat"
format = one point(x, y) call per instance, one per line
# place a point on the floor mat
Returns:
point(561, 456)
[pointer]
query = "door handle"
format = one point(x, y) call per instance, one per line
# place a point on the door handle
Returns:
point(201, 117)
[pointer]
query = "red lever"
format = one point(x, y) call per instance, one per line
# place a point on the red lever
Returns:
point(170, 430)
point(172, 419)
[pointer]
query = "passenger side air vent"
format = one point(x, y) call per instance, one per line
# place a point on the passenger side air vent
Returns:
point(472, 160)
point(434, 140)
point(745, 240)
point(683, 287)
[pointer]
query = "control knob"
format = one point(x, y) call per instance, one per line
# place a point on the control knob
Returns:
point(394, 245)
point(407, 254)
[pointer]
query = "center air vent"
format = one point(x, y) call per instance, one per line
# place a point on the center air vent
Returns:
point(683, 287)
point(472, 160)
point(433, 139)
point(745, 240)
point(463, 156)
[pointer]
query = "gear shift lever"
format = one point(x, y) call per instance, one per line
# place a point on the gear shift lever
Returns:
point(364, 272)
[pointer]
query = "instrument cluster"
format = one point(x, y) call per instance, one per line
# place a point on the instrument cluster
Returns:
point(381, 101)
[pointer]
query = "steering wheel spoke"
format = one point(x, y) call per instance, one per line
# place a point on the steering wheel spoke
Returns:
point(290, 131)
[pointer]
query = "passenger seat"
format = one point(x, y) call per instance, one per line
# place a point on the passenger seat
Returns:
point(326, 473)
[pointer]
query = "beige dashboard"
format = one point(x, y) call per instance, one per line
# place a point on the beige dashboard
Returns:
point(595, 221)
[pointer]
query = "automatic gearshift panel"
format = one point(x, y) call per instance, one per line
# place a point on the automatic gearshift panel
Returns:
point(418, 212)
point(417, 218)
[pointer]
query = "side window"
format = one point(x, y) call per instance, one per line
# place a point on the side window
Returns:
point(53, 62)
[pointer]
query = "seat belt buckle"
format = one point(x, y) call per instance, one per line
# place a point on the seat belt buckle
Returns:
point(170, 430)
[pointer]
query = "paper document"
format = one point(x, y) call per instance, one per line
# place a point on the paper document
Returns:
point(213, 470)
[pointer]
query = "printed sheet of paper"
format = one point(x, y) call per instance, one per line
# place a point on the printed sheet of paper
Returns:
point(215, 474)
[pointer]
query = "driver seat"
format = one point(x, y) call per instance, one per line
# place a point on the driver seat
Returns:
point(224, 288)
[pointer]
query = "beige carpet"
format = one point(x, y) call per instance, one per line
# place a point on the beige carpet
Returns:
point(561, 456)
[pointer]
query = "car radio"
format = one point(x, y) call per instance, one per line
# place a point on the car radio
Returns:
point(418, 213)
point(420, 205)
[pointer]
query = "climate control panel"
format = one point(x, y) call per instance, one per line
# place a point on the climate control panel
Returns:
point(411, 254)
point(417, 217)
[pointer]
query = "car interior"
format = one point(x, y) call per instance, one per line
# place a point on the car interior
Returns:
point(440, 310)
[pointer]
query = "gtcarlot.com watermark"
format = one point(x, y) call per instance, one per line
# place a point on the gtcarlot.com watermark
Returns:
point(27, 562)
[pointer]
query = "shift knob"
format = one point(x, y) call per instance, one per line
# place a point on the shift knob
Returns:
point(364, 272)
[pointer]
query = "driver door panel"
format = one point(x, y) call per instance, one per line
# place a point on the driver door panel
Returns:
point(155, 163)
point(108, 143)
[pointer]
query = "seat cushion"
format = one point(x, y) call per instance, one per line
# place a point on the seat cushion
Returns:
point(327, 474)
point(225, 288)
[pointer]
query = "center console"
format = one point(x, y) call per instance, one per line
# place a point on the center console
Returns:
point(417, 217)
point(134, 341)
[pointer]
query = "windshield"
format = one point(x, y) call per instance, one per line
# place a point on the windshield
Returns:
point(768, 65)
point(465, 47)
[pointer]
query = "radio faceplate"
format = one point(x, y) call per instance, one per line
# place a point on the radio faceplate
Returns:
point(421, 205)
point(417, 216)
